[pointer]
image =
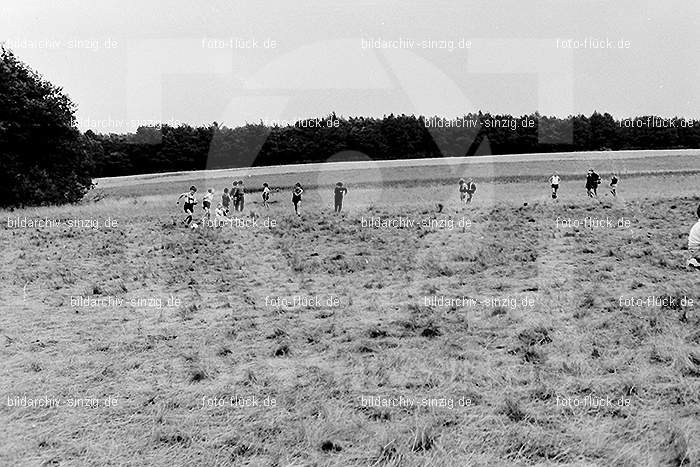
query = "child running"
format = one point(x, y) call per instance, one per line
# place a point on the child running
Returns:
point(613, 184)
point(296, 198)
point(206, 204)
point(190, 201)
point(340, 191)
point(266, 195)
point(471, 189)
point(462, 191)
point(554, 183)
point(225, 201)
point(694, 243)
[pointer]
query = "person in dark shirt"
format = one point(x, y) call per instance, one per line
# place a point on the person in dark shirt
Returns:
point(471, 189)
point(225, 201)
point(613, 184)
point(234, 195)
point(340, 191)
point(592, 182)
point(296, 198)
point(266, 195)
point(462, 191)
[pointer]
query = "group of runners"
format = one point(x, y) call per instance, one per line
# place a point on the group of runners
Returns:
point(236, 196)
point(593, 180)
point(467, 189)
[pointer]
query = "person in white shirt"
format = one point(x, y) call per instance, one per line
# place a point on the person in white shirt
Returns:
point(220, 214)
point(190, 201)
point(206, 204)
point(554, 182)
point(694, 243)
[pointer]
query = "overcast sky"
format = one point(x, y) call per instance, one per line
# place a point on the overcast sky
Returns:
point(180, 61)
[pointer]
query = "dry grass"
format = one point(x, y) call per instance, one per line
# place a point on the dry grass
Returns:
point(222, 341)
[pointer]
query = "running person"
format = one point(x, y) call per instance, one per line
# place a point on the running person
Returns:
point(471, 189)
point(592, 182)
point(554, 183)
point(596, 180)
point(266, 195)
point(339, 192)
point(462, 191)
point(296, 197)
point(694, 243)
point(206, 204)
point(589, 183)
point(613, 184)
point(190, 201)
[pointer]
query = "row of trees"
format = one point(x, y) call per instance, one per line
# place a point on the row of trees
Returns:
point(44, 159)
point(161, 149)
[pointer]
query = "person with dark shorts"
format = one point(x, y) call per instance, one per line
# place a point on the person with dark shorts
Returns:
point(266, 195)
point(225, 201)
point(340, 191)
point(462, 191)
point(471, 189)
point(190, 202)
point(554, 183)
point(596, 182)
point(592, 182)
point(206, 204)
point(589, 183)
point(296, 198)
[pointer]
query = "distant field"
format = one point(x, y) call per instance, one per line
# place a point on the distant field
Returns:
point(524, 167)
point(553, 318)
point(502, 179)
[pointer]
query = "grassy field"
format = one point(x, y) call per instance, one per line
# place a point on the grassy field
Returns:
point(204, 362)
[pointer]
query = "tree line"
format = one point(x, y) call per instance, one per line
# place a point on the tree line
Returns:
point(45, 159)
